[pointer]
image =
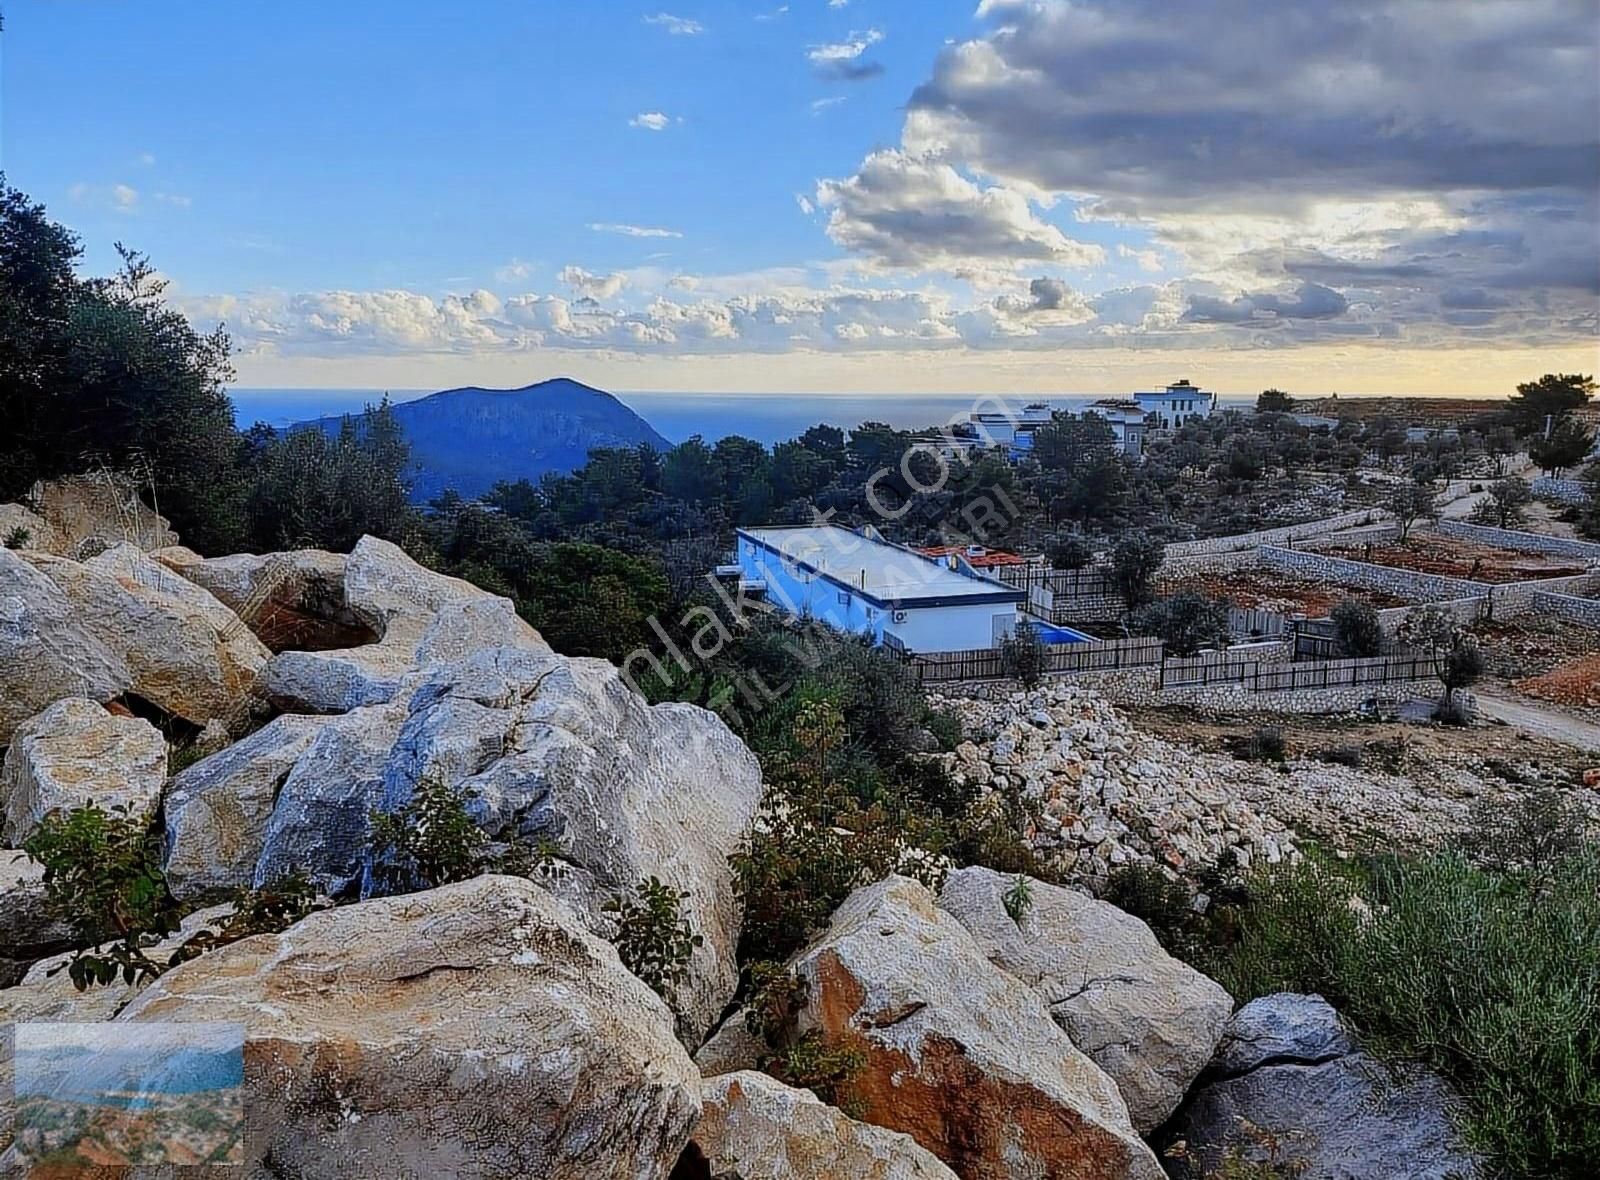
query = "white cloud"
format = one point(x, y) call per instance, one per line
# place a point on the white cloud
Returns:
point(918, 213)
point(125, 195)
point(678, 26)
point(176, 200)
point(1149, 260)
point(633, 231)
point(819, 105)
point(841, 60)
point(514, 270)
point(147, 160)
point(807, 206)
point(592, 286)
point(774, 14)
point(650, 121)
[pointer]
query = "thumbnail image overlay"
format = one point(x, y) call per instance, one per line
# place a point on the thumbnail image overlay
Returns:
point(120, 1094)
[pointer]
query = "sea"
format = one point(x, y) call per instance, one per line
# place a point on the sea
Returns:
point(766, 417)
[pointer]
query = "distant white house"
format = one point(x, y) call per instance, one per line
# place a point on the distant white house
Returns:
point(1178, 403)
point(858, 582)
point(1127, 421)
point(1013, 430)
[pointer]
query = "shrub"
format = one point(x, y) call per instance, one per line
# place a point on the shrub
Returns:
point(1018, 900)
point(1266, 743)
point(430, 841)
point(1166, 905)
point(1488, 977)
point(1134, 562)
point(1346, 755)
point(1023, 655)
point(654, 940)
point(945, 725)
point(1356, 629)
point(1186, 622)
point(826, 1064)
point(102, 875)
point(1071, 552)
point(18, 537)
point(267, 910)
point(1532, 836)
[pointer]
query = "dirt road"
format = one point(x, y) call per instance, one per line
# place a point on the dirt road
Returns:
point(1543, 720)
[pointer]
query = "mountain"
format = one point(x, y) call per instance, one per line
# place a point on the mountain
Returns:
point(468, 439)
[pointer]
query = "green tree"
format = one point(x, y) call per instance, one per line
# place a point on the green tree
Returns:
point(1567, 445)
point(1186, 622)
point(1553, 396)
point(1134, 562)
point(1434, 632)
point(1071, 552)
point(1356, 629)
point(1410, 502)
point(1504, 504)
point(1274, 401)
point(1023, 655)
point(690, 473)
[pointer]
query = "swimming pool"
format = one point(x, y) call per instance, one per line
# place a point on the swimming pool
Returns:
point(1051, 633)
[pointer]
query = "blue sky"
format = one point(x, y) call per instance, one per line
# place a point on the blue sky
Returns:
point(869, 195)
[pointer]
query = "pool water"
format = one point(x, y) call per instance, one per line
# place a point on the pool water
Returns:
point(1051, 633)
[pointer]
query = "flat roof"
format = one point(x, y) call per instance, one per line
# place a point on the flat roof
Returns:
point(883, 573)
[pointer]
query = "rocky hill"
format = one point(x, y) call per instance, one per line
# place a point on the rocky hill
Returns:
point(470, 438)
point(488, 1028)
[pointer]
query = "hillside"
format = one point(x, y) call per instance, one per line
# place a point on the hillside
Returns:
point(468, 439)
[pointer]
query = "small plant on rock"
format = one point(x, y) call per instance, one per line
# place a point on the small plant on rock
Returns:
point(654, 939)
point(428, 842)
point(267, 910)
point(827, 1064)
point(18, 537)
point(102, 875)
point(1018, 899)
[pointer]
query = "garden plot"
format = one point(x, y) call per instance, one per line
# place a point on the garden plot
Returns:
point(1451, 558)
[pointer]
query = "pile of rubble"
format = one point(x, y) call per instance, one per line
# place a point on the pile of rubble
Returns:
point(1103, 795)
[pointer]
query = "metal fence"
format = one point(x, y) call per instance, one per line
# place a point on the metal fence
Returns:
point(988, 664)
point(1257, 677)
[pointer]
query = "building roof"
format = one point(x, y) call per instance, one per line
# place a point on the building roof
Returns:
point(884, 574)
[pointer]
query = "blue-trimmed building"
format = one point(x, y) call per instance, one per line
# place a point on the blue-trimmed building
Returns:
point(858, 582)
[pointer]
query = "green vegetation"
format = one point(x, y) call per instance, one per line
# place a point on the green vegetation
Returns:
point(429, 841)
point(1024, 655)
point(1018, 899)
point(1412, 501)
point(1187, 622)
point(1435, 633)
point(1356, 630)
point(826, 1064)
point(1134, 562)
point(1505, 503)
point(1555, 395)
point(102, 875)
point(17, 537)
point(653, 938)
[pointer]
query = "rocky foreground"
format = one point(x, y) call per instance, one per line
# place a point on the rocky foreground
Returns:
point(488, 1029)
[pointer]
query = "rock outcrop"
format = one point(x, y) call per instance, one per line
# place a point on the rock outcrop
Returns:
point(291, 600)
point(1289, 1086)
point(28, 929)
point(76, 753)
point(962, 1056)
point(187, 653)
point(1148, 1020)
point(475, 1031)
point(422, 620)
point(47, 651)
point(22, 528)
point(560, 751)
point(217, 810)
point(90, 513)
point(755, 1128)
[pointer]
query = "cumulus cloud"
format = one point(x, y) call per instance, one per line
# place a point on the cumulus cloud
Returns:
point(678, 26)
point(907, 212)
point(1311, 302)
point(650, 121)
point(1050, 296)
point(633, 231)
point(841, 61)
point(592, 286)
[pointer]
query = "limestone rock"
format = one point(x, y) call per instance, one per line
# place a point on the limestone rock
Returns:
point(46, 650)
point(321, 821)
point(291, 600)
point(217, 810)
point(28, 528)
point(961, 1055)
point(475, 1031)
point(75, 753)
point(1332, 1111)
point(1283, 1026)
point(28, 930)
point(562, 750)
point(1148, 1020)
point(188, 654)
point(755, 1128)
point(90, 513)
point(422, 620)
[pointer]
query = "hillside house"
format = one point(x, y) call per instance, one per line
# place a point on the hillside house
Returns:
point(1127, 421)
point(1013, 431)
point(1180, 402)
point(861, 583)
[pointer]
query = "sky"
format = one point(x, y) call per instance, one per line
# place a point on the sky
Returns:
point(1380, 196)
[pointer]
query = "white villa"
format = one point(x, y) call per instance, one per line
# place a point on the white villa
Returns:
point(1127, 421)
point(856, 581)
point(1178, 403)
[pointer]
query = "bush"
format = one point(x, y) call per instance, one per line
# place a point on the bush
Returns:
point(1071, 552)
point(945, 725)
point(428, 842)
point(18, 537)
point(1263, 744)
point(1492, 978)
point(1346, 755)
point(1134, 562)
point(1356, 629)
point(1186, 622)
point(1018, 899)
point(102, 876)
point(654, 940)
point(1023, 655)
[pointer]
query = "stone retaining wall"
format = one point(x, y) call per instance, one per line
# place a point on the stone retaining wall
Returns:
point(1563, 491)
point(1566, 606)
point(1140, 688)
point(1283, 535)
point(1518, 540)
point(1208, 563)
point(1407, 584)
point(1465, 610)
